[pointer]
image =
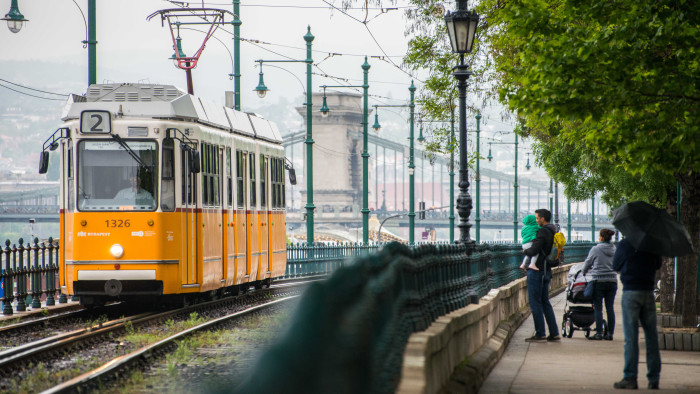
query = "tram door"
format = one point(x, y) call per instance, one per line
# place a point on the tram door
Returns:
point(66, 205)
point(240, 221)
point(188, 221)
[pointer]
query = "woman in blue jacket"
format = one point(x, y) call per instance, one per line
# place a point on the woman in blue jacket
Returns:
point(599, 264)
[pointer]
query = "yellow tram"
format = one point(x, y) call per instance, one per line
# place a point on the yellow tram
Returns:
point(166, 196)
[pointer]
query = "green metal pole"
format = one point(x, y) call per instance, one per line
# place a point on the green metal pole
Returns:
point(308, 37)
point(568, 221)
point(237, 54)
point(92, 44)
point(365, 154)
point(452, 178)
point(411, 180)
point(551, 196)
point(515, 195)
point(593, 218)
point(679, 200)
point(478, 181)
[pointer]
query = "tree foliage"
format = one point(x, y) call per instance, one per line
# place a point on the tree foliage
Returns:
point(609, 89)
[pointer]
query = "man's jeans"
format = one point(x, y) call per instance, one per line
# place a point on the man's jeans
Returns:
point(639, 307)
point(538, 296)
point(604, 291)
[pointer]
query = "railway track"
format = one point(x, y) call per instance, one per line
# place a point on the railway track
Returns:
point(52, 349)
point(98, 377)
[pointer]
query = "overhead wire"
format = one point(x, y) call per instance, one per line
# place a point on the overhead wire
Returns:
point(32, 95)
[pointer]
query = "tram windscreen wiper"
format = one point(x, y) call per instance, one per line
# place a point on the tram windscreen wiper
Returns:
point(130, 151)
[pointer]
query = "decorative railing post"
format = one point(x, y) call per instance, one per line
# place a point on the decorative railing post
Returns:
point(35, 275)
point(20, 273)
point(50, 274)
point(62, 298)
point(7, 280)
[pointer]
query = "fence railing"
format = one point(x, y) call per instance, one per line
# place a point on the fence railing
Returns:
point(29, 274)
point(350, 331)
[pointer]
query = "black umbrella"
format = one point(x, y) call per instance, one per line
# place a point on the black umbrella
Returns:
point(651, 229)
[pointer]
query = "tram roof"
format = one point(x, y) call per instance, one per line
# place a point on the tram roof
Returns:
point(168, 102)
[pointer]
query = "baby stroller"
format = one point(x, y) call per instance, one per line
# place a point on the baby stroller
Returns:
point(578, 316)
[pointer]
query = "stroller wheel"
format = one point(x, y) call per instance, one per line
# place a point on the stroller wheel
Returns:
point(587, 333)
point(568, 328)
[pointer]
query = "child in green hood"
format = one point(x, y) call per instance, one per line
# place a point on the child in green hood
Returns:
point(528, 234)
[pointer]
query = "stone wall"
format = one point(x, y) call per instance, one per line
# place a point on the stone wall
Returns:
point(457, 352)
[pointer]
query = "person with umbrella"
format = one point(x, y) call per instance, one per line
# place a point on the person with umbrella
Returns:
point(649, 234)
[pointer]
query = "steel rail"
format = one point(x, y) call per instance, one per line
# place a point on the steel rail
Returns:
point(114, 367)
point(36, 351)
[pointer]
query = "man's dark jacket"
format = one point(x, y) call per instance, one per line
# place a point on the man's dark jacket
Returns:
point(637, 269)
point(542, 245)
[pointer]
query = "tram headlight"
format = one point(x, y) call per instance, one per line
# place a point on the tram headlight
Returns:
point(117, 251)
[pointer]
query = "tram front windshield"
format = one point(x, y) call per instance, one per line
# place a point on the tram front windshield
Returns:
point(112, 178)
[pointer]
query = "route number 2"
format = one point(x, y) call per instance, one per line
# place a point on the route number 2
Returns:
point(95, 122)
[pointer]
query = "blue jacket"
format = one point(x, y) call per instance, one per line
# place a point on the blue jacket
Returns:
point(637, 269)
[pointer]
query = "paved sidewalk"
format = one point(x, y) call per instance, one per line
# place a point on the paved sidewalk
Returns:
point(578, 365)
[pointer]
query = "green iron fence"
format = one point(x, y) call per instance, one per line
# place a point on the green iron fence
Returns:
point(350, 331)
point(29, 274)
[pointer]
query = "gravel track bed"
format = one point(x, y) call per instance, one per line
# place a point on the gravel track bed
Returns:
point(59, 368)
point(214, 362)
point(61, 325)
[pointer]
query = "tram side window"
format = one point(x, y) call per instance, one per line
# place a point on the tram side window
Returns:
point(273, 182)
point(240, 182)
point(205, 173)
point(189, 187)
point(263, 182)
point(229, 184)
point(216, 173)
point(278, 186)
point(283, 196)
point(167, 201)
point(71, 200)
point(253, 199)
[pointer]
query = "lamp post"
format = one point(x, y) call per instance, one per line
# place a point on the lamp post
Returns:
point(365, 154)
point(551, 196)
point(261, 90)
point(452, 178)
point(515, 183)
point(14, 18)
point(411, 165)
point(478, 182)
point(568, 219)
point(556, 205)
point(461, 28)
point(236, 54)
point(593, 218)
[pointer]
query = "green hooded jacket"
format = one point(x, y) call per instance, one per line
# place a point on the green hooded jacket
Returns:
point(530, 228)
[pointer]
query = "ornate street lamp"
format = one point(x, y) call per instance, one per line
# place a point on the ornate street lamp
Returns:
point(261, 90)
point(365, 154)
point(14, 18)
point(461, 27)
point(411, 166)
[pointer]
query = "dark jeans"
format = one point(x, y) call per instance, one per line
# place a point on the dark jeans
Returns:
point(604, 291)
point(639, 307)
point(538, 296)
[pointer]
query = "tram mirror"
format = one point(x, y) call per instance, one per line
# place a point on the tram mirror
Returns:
point(292, 176)
point(194, 162)
point(43, 162)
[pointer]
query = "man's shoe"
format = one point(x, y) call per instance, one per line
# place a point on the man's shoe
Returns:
point(608, 337)
point(555, 338)
point(535, 338)
point(653, 386)
point(596, 337)
point(626, 384)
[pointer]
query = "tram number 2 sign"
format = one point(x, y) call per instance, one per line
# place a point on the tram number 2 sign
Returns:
point(95, 122)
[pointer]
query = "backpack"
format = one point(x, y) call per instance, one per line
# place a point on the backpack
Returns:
point(552, 258)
